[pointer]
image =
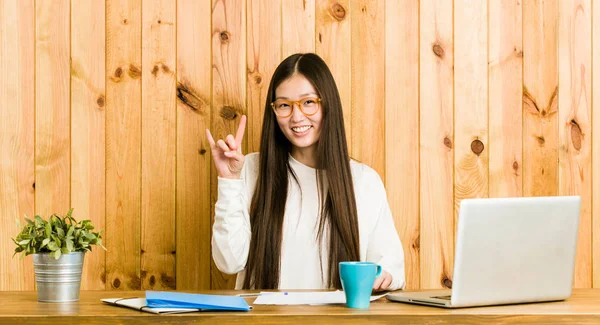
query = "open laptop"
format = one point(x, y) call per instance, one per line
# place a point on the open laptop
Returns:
point(509, 250)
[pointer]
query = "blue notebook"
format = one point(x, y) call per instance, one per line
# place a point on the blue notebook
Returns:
point(169, 299)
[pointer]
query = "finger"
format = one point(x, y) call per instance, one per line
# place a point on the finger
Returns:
point(211, 141)
point(234, 155)
point(386, 283)
point(239, 136)
point(221, 144)
point(231, 142)
point(377, 283)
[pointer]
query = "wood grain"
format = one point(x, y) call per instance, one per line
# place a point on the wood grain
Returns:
point(595, 146)
point(263, 57)
point(52, 107)
point(402, 137)
point(228, 91)
point(123, 143)
point(575, 119)
point(436, 144)
point(540, 98)
point(471, 153)
point(17, 69)
point(88, 128)
point(22, 308)
point(297, 27)
point(158, 144)
point(505, 98)
point(368, 83)
point(193, 153)
point(333, 44)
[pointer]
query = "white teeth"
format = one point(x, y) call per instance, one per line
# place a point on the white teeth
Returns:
point(301, 129)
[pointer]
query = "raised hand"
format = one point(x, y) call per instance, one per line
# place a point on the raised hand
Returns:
point(227, 154)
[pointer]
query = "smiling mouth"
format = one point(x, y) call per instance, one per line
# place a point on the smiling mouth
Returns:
point(301, 129)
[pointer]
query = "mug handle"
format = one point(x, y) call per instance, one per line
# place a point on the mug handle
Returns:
point(379, 269)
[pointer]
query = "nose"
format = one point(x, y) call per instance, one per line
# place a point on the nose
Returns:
point(297, 114)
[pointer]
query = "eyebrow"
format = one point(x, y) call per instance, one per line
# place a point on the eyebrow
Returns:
point(301, 96)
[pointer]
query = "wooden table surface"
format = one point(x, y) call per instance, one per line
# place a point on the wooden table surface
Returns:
point(23, 308)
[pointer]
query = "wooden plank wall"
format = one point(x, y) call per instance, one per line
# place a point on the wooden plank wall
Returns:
point(104, 104)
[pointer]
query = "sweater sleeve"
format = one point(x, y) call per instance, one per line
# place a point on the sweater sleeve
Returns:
point(231, 228)
point(384, 246)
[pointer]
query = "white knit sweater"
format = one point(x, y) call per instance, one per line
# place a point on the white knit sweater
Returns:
point(302, 267)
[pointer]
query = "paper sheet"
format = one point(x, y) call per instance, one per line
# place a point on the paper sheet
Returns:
point(304, 298)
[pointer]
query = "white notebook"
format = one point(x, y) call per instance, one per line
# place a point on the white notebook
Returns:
point(140, 304)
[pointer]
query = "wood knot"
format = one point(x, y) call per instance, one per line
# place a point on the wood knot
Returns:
point(228, 113)
point(103, 277)
point(100, 101)
point(447, 283)
point(159, 21)
point(515, 166)
point(477, 147)
point(518, 52)
point(116, 283)
point(202, 151)
point(438, 50)
point(258, 80)
point(167, 281)
point(224, 36)
point(416, 245)
point(173, 252)
point(165, 68)
point(364, 9)
point(155, 70)
point(117, 75)
point(124, 21)
point(448, 142)
point(143, 274)
point(338, 11)
point(33, 185)
point(187, 97)
point(543, 112)
point(135, 72)
point(541, 141)
point(576, 135)
point(152, 281)
point(135, 282)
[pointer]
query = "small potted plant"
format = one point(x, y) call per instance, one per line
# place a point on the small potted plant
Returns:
point(58, 246)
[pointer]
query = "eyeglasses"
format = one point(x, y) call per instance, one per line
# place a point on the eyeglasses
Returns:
point(308, 106)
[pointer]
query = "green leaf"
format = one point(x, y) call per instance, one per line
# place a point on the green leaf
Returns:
point(48, 230)
point(69, 245)
point(60, 232)
point(57, 240)
point(24, 242)
point(56, 253)
point(45, 242)
point(52, 246)
point(70, 231)
point(65, 250)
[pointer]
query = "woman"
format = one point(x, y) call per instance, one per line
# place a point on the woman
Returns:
point(286, 217)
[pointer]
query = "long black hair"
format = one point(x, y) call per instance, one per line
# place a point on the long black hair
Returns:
point(338, 213)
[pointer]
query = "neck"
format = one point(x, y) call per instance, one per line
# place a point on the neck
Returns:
point(306, 156)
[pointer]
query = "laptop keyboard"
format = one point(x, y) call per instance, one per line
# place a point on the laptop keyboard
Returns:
point(448, 297)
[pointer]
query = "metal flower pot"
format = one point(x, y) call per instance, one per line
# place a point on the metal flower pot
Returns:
point(58, 280)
